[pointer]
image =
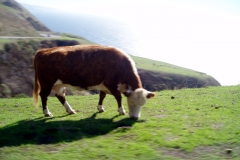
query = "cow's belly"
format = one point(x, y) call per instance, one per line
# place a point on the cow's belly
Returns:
point(58, 86)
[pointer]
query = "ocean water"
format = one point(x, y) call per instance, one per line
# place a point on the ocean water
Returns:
point(96, 29)
point(149, 39)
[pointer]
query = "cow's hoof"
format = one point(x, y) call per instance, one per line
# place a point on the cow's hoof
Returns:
point(133, 117)
point(48, 115)
point(101, 111)
point(121, 111)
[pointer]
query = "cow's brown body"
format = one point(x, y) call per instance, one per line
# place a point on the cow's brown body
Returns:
point(83, 67)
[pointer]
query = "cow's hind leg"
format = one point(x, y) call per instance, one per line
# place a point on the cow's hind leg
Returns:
point(100, 108)
point(60, 94)
point(44, 94)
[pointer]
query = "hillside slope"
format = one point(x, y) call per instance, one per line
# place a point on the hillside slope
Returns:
point(157, 75)
point(17, 21)
point(17, 73)
point(16, 57)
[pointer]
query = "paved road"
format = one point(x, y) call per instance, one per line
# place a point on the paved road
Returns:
point(42, 36)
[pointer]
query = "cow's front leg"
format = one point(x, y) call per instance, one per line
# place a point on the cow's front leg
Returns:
point(118, 98)
point(61, 97)
point(100, 108)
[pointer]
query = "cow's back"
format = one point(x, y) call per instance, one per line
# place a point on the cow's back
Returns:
point(84, 65)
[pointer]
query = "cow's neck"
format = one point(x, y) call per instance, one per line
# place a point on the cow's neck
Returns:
point(135, 82)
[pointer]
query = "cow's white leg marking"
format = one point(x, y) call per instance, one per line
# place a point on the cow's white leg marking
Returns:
point(121, 110)
point(100, 108)
point(47, 113)
point(69, 108)
point(60, 90)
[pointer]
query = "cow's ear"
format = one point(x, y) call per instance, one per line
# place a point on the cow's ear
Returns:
point(150, 95)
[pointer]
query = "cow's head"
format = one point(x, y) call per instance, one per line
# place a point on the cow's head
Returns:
point(136, 99)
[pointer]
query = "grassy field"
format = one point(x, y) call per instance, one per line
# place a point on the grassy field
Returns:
point(178, 124)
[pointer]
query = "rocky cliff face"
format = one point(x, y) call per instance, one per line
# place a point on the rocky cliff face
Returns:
point(17, 72)
point(156, 81)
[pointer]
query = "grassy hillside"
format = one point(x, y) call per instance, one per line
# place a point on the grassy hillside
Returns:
point(62, 36)
point(17, 21)
point(179, 124)
point(16, 56)
point(81, 40)
point(168, 76)
point(153, 65)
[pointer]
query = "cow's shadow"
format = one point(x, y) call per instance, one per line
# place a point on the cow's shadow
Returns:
point(45, 131)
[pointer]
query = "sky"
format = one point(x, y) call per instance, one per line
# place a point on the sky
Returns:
point(205, 33)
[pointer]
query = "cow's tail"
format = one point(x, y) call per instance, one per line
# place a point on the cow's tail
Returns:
point(36, 89)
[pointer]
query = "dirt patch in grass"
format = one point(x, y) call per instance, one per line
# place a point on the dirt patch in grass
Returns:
point(223, 151)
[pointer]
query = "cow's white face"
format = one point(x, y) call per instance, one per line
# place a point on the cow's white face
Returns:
point(136, 100)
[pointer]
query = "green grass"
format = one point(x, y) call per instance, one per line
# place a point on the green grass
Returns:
point(4, 41)
point(5, 7)
point(153, 65)
point(179, 124)
point(80, 39)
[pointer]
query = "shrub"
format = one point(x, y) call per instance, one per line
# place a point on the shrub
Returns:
point(5, 91)
point(11, 48)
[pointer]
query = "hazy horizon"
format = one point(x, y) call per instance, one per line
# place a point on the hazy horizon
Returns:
point(199, 35)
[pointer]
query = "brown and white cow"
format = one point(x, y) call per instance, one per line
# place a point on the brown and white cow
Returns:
point(86, 67)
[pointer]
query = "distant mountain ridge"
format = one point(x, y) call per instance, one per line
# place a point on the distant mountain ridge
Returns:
point(15, 20)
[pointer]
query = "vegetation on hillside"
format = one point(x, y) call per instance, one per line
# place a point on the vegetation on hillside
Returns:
point(16, 65)
point(17, 73)
point(154, 65)
point(16, 56)
point(176, 124)
point(17, 21)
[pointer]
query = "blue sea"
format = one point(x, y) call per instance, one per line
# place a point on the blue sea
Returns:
point(149, 39)
point(96, 29)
